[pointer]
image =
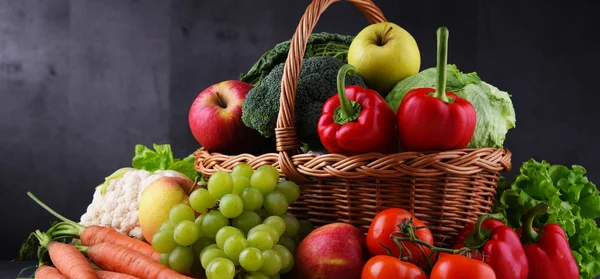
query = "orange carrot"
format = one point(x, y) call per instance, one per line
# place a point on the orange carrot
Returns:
point(48, 272)
point(93, 235)
point(117, 258)
point(105, 274)
point(69, 261)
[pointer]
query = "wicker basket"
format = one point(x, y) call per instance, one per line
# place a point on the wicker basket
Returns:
point(445, 190)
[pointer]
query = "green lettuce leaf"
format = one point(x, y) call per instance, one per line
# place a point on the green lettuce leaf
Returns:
point(161, 158)
point(574, 203)
point(495, 111)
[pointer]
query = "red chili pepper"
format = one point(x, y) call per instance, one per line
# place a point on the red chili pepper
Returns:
point(357, 120)
point(497, 244)
point(432, 119)
point(548, 250)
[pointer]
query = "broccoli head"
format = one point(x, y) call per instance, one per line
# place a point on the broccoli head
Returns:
point(316, 84)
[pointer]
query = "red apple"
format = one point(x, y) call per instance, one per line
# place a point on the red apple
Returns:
point(331, 251)
point(216, 119)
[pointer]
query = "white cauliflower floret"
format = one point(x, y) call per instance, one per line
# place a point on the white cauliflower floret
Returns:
point(117, 208)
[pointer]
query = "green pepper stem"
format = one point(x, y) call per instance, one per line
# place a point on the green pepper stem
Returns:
point(528, 234)
point(478, 237)
point(442, 60)
point(346, 110)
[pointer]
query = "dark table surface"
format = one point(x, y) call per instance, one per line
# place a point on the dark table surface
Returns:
point(10, 270)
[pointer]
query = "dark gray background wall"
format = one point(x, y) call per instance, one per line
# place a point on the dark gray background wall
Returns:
point(83, 81)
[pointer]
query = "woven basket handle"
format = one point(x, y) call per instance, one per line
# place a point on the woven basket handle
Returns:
point(285, 133)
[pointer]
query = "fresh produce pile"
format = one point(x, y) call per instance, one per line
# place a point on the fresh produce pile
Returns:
point(355, 95)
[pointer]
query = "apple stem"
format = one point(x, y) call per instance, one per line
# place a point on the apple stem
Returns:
point(442, 61)
point(348, 111)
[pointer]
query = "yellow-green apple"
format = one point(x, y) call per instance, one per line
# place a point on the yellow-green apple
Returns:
point(331, 251)
point(158, 198)
point(383, 54)
point(215, 119)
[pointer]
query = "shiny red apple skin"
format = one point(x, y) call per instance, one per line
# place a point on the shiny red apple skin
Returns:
point(215, 119)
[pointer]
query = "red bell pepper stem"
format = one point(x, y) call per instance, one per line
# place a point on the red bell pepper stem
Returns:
point(442, 60)
point(348, 110)
point(478, 237)
point(528, 234)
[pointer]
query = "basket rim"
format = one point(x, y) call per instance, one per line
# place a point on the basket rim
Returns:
point(468, 161)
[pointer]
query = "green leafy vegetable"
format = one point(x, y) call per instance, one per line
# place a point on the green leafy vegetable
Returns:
point(495, 112)
point(319, 44)
point(161, 158)
point(574, 203)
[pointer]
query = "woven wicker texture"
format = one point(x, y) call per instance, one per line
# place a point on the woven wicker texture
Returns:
point(445, 190)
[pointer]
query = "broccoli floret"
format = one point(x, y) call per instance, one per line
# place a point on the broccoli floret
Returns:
point(316, 84)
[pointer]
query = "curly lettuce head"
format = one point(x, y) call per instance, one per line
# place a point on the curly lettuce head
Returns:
point(495, 111)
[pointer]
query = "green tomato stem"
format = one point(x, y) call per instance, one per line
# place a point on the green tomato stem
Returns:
point(528, 234)
point(442, 61)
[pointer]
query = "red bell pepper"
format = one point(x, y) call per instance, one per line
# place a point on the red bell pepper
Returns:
point(357, 120)
point(496, 244)
point(548, 249)
point(432, 119)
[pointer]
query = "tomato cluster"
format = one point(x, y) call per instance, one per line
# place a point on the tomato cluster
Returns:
point(396, 255)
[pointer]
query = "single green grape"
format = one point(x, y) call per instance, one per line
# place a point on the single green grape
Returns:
point(240, 183)
point(272, 262)
point(208, 255)
point(220, 184)
point(264, 181)
point(291, 225)
point(288, 243)
point(277, 223)
point(163, 242)
point(224, 233)
point(220, 268)
point(268, 228)
point(275, 203)
point(271, 169)
point(251, 259)
point(166, 226)
point(209, 247)
point(233, 246)
point(289, 189)
point(256, 275)
point(252, 198)
point(186, 233)
point(181, 259)
point(212, 222)
point(201, 200)
point(180, 212)
point(246, 221)
point(260, 239)
point(164, 259)
point(231, 205)
point(202, 243)
point(287, 259)
point(242, 169)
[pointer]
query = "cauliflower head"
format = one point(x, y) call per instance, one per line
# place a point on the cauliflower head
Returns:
point(115, 203)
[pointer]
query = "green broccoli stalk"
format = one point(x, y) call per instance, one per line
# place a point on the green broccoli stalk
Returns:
point(316, 84)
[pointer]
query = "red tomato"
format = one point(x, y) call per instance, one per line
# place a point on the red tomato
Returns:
point(388, 267)
point(386, 222)
point(451, 266)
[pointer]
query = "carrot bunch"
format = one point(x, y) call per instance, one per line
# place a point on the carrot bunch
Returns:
point(119, 256)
